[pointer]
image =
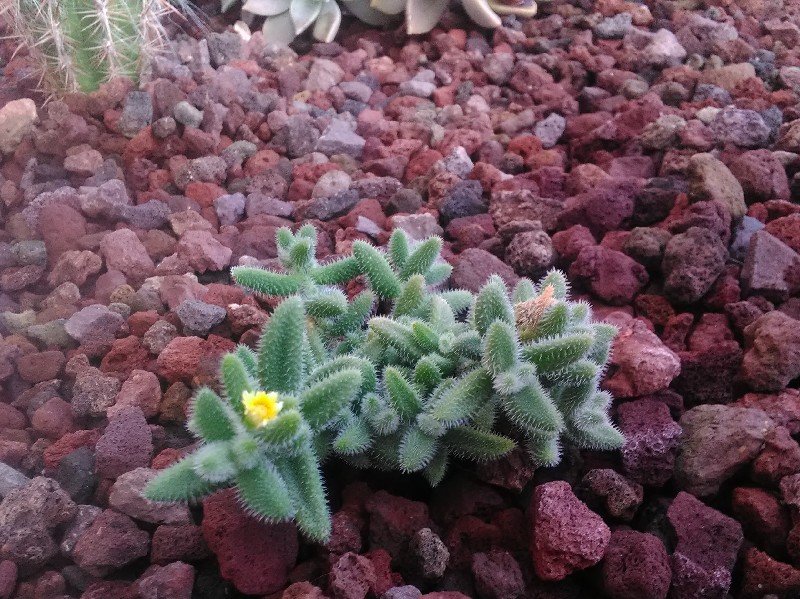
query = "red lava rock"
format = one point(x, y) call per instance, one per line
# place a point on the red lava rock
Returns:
point(393, 521)
point(786, 229)
point(110, 542)
point(124, 252)
point(127, 443)
point(254, 556)
point(140, 322)
point(202, 252)
point(652, 438)
point(497, 575)
point(610, 275)
point(469, 535)
point(173, 581)
point(8, 578)
point(180, 358)
point(125, 356)
point(566, 535)
point(61, 226)
point(351, 577)
point(783, 408)
point(619, 497)
point(707, 375)
point(11, 418)
point(570, 242)
point(692, 262)
point(474, 266)
point(761, 175)
point(780, 457)
point(640, 363)
point(143, 390)
point(708, 542)
point(772, 352)
point(764, 576)
point(384, 577)
point(636, 566)
point(53, 419)
point(183, 542)
point(67, 444)
point(762, 517)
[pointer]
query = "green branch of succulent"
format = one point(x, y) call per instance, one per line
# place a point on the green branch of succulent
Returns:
point(432, 379)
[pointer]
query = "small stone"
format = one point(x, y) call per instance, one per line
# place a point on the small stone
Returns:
point(692, 262)
point(772, 352)
point(76, 474)
point(771, 268)
point(93, 394)
point(126, 444)
point(327, 208)
point(137, 113)
point(17, 119)
point(187, 115)
point(351, 577)
point(497, 575)
point(111, 541)
point(126, 497)
point(710, 179)
point(430, 555)
point(474, 267)
point(330, 184)
point(614, 28)
point(636, 566)
point(203, 252)
point(531, 253)
point(550, 130)
point(717, 442)
point(323, 75)
point(198, 318)
point(339, 138)
point(158, 336)
point(230, 208)
point(744, 128)
point(124, 252)
point(620, 497)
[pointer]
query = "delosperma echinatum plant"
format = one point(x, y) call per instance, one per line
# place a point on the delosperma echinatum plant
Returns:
point(436, 376)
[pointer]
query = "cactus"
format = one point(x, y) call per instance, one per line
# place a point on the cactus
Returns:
point(79, 44)
point(433, 378)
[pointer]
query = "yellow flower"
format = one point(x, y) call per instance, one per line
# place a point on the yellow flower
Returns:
point(261, 407)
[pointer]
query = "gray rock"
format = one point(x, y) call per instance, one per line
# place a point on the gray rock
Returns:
point(339, 138)
point(404, 200)
point(741, 239)
point(415, 87)
point(136, 114)
point(405, 592)
point(230, 208)
point(198, 318)
point(239, 151)
point(126, 497)
point(692, 262)
point(51, 333)
point(327, 208)
point(223, 47)
point(614, 28)
point(11, 479)
point(457, 162)
point(771, 268)
point(323, 75)
point(550, 130)
point(158, 336)
point(94, 325)
point(258, 203)
point(30, 252)
point(419, 226)
point(531, 253)
point(187, 115)
point(75, 474)
point(93, 393)
point(82, 521)
point(717, 442)
point(300, 137)
point(356, 90)
point(164, 127)
point(744, 128)
point(153, 214)
point(330, 184)
point(465, 198)
point(429, 553)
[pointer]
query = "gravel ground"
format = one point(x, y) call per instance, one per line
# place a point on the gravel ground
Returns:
point(651, 150)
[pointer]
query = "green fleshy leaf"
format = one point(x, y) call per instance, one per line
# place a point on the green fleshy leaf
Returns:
point(578, 373)
point(245, 451)
point(284, 238)
point(353, 438)
point(463, 399)
point(398, 248)
point(436, 469)
point(427, 374)
point(376, 268)
point(589, 425)
point(500, 347)
point(580, 314)
point(604, 335)
point(459, 300)
point(210, 418)
point(486, 415)
point(264, 494)
point(477, 445)
point(280, 353)
point(266, 282)
point(438, 273)
point(402, 395)
point(301, 255)
point(559, 282)
point(411, 297)
point(441, 317)
point(532, 409)
point(249, 358)
point(338, 272)
point(523, 291)
point(552, 355)
point(304, 481)
point(353, 320)
point(369, 379)
point(553, 323)
point(417, 449)
point(398, 336)
point(422, 258)
point(325, 399)
point(236, 381)
point(544, 448)
point(329, 304)
point(178, 484)
point(285, 429)
point(214, 462)
point(425, 337)
point(492, 304)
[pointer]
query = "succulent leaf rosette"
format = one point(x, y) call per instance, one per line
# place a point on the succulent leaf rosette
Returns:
point(435, 376)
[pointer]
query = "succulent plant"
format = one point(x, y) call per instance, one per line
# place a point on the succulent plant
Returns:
point(436, 375)
point(79, 44)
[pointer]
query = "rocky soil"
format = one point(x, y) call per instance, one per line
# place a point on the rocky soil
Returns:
point(651, 150)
